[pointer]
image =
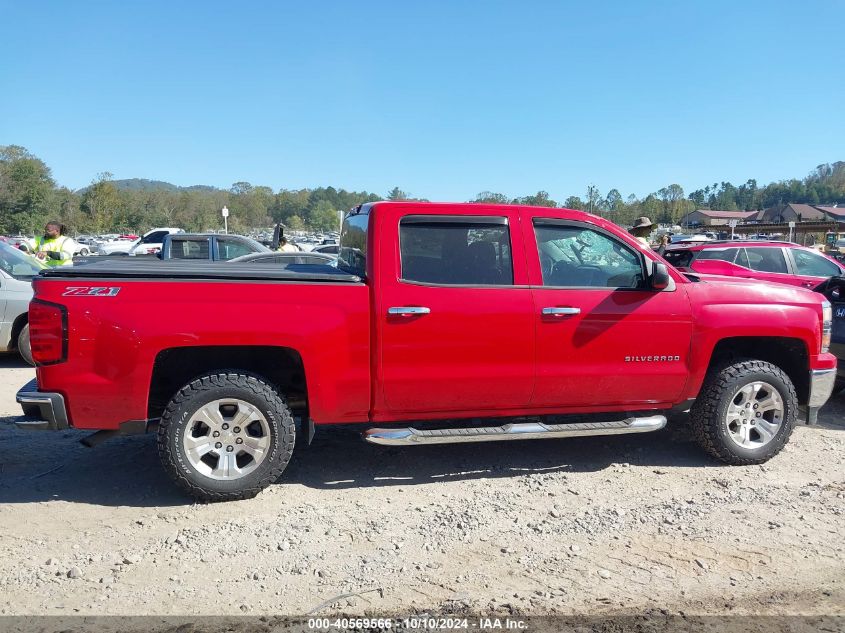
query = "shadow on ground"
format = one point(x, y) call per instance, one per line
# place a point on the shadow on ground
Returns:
point(46, 466)
point(13, 361)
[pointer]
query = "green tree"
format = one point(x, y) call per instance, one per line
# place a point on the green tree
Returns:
point(539, 199)
point(488, 197)
point(397, 194)
point(574, 202)
point(100, 204)
point(26, 191)
point(325, 217)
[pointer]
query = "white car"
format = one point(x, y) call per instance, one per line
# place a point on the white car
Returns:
point(16, 272)
point(148, 244)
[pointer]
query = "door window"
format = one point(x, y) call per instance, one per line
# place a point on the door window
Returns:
point(189, 249)
point(227, 250)
point(455, 252)
point(807, 263)
point(766, 260)
point(580, 257)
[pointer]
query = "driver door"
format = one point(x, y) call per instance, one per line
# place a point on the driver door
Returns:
point(603, 336)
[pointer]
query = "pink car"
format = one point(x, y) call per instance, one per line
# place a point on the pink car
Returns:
point(780, 262)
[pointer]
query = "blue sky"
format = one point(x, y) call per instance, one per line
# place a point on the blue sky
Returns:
point(443, 99)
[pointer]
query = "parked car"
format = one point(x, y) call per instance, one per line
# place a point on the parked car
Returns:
point(148, 244)
point(329, 249)
point(209, 246)
point(17, 270)
point(780, 262)
point(435, 313)
point(276, 257)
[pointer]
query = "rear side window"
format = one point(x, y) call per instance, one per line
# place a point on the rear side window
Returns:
point(815, 265)
point(766, 260)
point(189, 249)
point(461, 252)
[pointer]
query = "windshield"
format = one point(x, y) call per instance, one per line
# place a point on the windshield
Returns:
point(18, 264)
point(156, 237)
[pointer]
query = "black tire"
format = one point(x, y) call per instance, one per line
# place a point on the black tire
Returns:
point(188, 401)
point(708, 414)
point(24, 348)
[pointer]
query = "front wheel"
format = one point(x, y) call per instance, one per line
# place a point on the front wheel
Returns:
point(745, 412)
point(226, 436)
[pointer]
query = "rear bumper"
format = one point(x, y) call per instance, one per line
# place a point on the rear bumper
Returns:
point(41, 410)
point(821, 387)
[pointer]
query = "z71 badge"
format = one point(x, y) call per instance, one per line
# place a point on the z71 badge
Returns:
point(91, 291)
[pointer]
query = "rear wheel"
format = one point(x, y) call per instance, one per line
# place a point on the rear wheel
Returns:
point(745, 412)
point(24, 348)
point(226, 436)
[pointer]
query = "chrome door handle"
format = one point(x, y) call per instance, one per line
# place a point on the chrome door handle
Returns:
point(558, 312)
point(408, 311)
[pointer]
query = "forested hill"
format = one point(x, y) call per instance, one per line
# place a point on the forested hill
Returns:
point(29, 196)
point(143, 184)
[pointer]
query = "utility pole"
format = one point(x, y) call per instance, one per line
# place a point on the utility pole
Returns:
point(591, 194)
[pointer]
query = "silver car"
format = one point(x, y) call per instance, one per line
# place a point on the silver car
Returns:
point(16, 272)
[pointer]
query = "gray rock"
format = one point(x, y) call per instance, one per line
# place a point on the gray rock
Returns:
point(603, 573)
point(74, 572)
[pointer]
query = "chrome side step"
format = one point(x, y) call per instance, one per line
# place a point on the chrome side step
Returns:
point(514, 431)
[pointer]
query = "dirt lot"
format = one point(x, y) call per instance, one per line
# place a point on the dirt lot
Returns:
point(632, 524)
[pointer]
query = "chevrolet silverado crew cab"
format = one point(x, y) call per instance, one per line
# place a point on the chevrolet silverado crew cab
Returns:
point(556, 322)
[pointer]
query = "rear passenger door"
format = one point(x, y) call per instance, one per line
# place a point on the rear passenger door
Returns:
point(455, 318)
point(768, 264)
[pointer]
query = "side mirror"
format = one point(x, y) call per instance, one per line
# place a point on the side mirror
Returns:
point(660, 278)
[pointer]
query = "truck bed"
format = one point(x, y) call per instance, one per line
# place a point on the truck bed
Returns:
point(121, 268)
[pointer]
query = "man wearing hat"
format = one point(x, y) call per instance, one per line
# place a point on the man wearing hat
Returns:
point(641, 230)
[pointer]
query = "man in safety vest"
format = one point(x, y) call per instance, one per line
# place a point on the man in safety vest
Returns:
point(54, 248)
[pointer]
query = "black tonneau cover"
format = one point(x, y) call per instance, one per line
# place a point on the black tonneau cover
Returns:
point(180, 269)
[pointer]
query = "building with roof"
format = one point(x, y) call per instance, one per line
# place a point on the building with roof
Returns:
point(791, 212)
point(708, 217)
point(835, 212)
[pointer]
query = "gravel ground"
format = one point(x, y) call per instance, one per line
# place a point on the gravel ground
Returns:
point(634, 524)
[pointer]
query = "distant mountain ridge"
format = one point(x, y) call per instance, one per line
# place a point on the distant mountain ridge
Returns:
point(144, 184)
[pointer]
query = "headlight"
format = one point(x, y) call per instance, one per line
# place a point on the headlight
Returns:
point(827, 325)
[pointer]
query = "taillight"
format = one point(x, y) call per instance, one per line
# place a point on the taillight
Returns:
point(47, 332)
point(827, 326)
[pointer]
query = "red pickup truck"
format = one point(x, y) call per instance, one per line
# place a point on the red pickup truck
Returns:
point(441, 313)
